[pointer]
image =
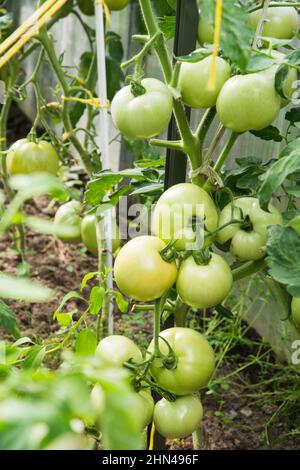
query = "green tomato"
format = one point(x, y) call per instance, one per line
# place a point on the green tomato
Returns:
point(204, 286)
point(143, 116)
point(98, 400)
point(116, 4)
point(194, 79)
point(146, 406)
point(140, 272)
point(68, 214)
point(195, 361)
point(114, 350)
point(288, 86)
point(175, 209)
point(282, 22)
point(89, 234)
point(205, 31)
point(296, 311)
point(180, 418)
point(25, 157)
point(248, 239)
point(248, 102)
point(87, 7)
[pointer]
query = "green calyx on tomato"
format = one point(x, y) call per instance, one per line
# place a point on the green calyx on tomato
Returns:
point(281, 23)
point(69, 215)
point(115, 350)
point(26, 157)
point(179, 418)
point(248, 102)
point(174, 213)
point(195, 361)
point(248, 239)
point(89, 234)
point(204, 285)
point(194, 82)
point(143, 116)
point(140, 272)
point(296, 311)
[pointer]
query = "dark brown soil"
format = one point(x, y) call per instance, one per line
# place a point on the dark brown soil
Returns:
point(60, 266)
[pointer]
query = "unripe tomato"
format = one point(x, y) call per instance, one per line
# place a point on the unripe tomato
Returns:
point(248, 102)
point(282, 22)
point(194, 80)
point(248, 239)
point(98, 400)
point(116, 4)
point(89, 234)
point(296, 311)
point(203, 286)
point(143, 116)
point(147, 406)
point(178, 419)
point(175, 209)
point(205, 32)
point(87, 7)
point(140, 272)
point(68, 214)
point(114, 350)
point(195, 361)
point(25, 157)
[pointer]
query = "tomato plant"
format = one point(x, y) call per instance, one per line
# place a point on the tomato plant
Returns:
point(192, 365)
point(25, 157)
point(248, 237)
point(142, 111)
point(140, 271)
point(179, 418)
point(296, 311)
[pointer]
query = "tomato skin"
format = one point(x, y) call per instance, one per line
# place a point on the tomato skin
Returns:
point(170, 222)
point(296, 311)
point(205, 32)
point(140, 272)
point(282, 22)
point(195, 361)
point(68, 214)
point(248, 102)
point(114, 350)
point(116, 4)
point(143, 116)
point(204, 286)
point(178, 419)
point(26, 157)
point(247, 245)
point(87, 7)
point(89, 234)
point(194, 79)
point(147, 406)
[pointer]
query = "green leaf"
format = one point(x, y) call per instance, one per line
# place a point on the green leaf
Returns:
point(86, 342)
point(63, 319)
point(23, 289)
point(195, 56)
point(236, 33)
point(268, 133)
point(293, 191)
point(148, 188)
point(97, 189)
point(293, 115)
point(258, 62)
point(283, 257)
point(115, 77)
point(39, 183)
point(167, 26)
point(96, 299)
point(8, 320)
point(280, 79)
point(70, 295)
point(120, 301)
point(87, 278)
point(295, 223)
point(47, 227)
point(34, 357)
point(115, 47)
point(288, 163)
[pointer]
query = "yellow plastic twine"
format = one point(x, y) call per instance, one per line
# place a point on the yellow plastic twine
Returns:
point(105, 8)
point(151, 440)
point(29, 29)
point(90, 101)
point(217, 33)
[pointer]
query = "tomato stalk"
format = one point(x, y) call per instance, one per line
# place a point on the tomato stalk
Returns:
point(248, 268)
point(180, 313)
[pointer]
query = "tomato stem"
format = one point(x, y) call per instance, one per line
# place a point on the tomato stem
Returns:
point(248, 268)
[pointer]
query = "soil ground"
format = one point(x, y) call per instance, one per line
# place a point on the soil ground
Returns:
point(240, 424)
